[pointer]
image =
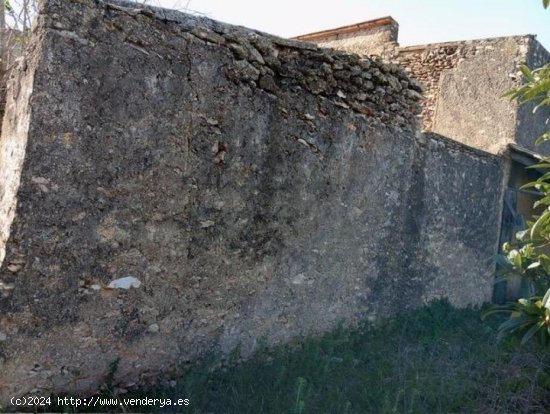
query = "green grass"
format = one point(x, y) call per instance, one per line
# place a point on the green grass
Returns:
point(432, 360)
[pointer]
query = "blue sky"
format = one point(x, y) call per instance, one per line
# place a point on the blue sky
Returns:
point(421, 21)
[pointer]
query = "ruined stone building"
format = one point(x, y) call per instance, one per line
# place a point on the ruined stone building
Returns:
point(462, 84)
point(462, 81)
point(171, 184)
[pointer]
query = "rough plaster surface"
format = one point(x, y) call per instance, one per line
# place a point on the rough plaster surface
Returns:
point(459, 76)
point(470, 107)
point(459, 220)
point(257, 188)
point(377, 41)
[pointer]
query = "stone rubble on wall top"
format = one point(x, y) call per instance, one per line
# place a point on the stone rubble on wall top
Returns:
point(381, 91)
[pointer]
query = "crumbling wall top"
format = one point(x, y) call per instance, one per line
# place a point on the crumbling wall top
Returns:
point(379, 90)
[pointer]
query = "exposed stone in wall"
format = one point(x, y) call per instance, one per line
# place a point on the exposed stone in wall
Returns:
point(248, 187)
point(461, 205)
point(462, 82)
point(426, 66)
point(429, 63)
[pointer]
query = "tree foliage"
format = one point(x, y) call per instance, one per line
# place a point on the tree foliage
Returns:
point(536, 89)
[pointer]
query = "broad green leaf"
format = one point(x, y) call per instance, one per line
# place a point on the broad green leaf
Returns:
point(527, 250)
point(533, 265)
point(540, 166)
point(544, 177)
point(517, 261)
point(520, 235)
point(508, 308)
point(532, 184)
point(513, 325)
point(527, 73)
point(541, 222)
point(532, 331)
point(545, 201)
point(543, 138)
point(544, 102)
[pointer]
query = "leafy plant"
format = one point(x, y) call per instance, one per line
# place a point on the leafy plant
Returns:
point(536, 89)
point(529, 316)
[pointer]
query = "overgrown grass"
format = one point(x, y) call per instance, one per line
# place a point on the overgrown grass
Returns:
point(432, 360)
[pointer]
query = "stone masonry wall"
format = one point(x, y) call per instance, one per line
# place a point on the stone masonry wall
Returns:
point(459, 209)
point(248, 188)
point(495, 60)
point(462, 84)
point(470, 107)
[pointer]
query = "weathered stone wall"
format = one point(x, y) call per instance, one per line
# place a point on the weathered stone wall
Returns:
point(462, 83)
point(251, 187)
point(465, 81)
point(459, 216)
point(374, 38)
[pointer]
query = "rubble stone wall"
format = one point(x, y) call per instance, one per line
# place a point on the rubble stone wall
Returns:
point(462, 83)
point(170, 184)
